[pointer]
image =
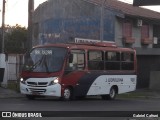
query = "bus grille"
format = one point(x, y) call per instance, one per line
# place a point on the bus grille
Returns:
point(37, 84)
point(37, 91)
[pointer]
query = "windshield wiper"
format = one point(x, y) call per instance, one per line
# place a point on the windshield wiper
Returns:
point(36, 64)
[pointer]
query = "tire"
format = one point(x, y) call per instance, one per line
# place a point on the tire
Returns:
point(67, 94)
point(30, 97)
point(111, 96)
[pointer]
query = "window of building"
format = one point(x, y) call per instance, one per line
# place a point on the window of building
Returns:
point(112, 61)
point(95, 60)
point(145, 31)
point(127, 29)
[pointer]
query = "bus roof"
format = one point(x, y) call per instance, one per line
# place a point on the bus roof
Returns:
point(98, 46)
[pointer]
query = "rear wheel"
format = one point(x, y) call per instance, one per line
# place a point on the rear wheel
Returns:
point(112, 94)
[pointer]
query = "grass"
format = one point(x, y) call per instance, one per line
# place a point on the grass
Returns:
point(13, 85)
point(135, 94)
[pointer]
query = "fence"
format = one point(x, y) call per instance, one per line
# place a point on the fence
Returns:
point(14, 66)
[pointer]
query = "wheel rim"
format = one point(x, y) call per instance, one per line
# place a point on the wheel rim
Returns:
point(67, 94)
point(112, 93)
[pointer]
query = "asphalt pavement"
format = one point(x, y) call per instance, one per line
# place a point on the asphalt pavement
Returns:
point(140, 93)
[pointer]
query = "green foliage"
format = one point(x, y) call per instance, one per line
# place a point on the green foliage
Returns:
point(15, 39)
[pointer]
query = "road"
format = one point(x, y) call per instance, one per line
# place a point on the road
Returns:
point(89, 104)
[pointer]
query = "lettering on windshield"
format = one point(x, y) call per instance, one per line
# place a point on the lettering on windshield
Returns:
point(43, 52)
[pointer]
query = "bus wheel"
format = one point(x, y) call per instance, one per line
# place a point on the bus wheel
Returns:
point(30, 97)
point(67, 94)
point(111, 95)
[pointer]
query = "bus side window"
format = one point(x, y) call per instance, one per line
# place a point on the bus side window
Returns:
point(76, 60)
point(95, 60)
point(112, 61)
point(127, 60)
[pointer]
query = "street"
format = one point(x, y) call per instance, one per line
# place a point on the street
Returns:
point(88, 104)
point(95, 107)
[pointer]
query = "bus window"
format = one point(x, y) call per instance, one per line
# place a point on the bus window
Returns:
point(95, 60)
point(112, 61)
point(127, 60)
point(76, 60)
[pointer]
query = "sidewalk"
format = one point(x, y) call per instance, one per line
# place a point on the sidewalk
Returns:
point(7, 93)
point(141, 93)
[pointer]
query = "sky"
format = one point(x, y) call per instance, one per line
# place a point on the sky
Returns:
point(17, 11)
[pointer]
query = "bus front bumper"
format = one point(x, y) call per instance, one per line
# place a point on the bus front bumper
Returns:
point(53, 90)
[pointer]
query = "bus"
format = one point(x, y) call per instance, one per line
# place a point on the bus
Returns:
point(70, 71)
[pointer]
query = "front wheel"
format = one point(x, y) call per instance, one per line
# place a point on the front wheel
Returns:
point(67, 94)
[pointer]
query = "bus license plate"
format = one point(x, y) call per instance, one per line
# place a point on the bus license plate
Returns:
point(35, 93)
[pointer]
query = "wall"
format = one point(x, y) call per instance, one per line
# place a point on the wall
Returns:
point(154, 80)
point(136, 34)
point(3, 66)
point(147, 57)
point(60, 21)
point(13, 65)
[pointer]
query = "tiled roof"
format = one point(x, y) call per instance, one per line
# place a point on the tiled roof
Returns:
point(129, 9)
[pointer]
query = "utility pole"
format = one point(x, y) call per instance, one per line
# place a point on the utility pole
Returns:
point(3, 27)
point(102, 20)
point(30, 23)
point(3, 78)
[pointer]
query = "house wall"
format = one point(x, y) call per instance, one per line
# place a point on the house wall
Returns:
point(136, 34)
point(72, 19)
point(154, 80)
point(148, 58)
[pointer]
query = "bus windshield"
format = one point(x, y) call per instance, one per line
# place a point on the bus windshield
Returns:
point(49, 59)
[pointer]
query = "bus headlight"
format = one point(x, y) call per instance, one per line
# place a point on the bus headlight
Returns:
point(22, 80)
point(54, 81)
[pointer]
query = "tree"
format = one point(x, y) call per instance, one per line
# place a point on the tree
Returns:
point(15, 39)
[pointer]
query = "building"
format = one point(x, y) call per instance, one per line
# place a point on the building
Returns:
point(129, 26)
